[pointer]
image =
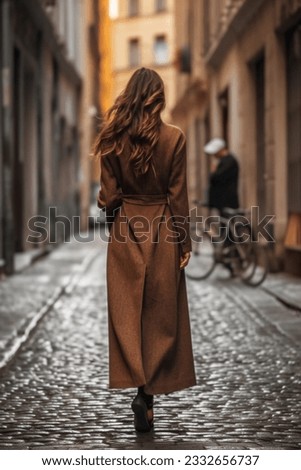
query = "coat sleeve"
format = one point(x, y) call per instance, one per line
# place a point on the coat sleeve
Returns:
point(109, 195)
point(178, 195)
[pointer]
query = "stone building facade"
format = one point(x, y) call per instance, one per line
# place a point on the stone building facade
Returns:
point(248, 61)
point(191, 84)
point(106, 84)
point(49, 93)
point(143, 34)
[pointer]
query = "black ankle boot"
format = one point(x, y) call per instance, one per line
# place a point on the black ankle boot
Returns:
point(140, 406)
point(149, 399)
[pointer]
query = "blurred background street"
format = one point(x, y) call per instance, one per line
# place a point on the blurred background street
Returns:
point(232, 69)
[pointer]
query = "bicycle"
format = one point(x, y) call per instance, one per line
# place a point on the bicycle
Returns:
point(228, 240)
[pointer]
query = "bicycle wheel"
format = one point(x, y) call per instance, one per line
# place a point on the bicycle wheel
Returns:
point(202, 261)
point(258, 267)
point(245, 255)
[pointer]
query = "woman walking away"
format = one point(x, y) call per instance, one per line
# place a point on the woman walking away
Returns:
point(144, 192)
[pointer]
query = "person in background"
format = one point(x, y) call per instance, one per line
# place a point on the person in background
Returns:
point(223, 184)
point(223, 180)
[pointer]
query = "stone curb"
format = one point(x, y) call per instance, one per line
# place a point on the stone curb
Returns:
point(288, 302)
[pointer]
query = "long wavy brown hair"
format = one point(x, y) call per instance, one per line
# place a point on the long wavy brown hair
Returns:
point(134, 118)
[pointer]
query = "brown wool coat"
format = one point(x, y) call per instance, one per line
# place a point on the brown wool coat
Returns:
point(149, 329)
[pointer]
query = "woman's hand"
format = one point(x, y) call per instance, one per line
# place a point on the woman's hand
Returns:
point(184, 259)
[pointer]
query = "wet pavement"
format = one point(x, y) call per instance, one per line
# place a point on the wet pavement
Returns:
point(53, 394)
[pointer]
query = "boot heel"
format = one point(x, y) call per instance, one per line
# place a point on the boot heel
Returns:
point(141, 421)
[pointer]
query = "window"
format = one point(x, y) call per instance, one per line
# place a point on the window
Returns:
point(223, 100)
point(160, 5)
point(113, 9)
point(134, 52)
point(133, 7)
point(161, 50)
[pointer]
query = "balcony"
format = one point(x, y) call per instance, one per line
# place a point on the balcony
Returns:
point(224, 22)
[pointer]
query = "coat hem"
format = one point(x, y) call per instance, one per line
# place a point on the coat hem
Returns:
point(174, 387)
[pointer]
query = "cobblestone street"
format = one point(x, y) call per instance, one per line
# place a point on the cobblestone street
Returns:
point(54, 392)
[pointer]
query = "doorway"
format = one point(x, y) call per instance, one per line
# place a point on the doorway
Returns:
point(18, 160)
point(261, 176)
point(293, 233)
point(25, 184)
point(293, 47)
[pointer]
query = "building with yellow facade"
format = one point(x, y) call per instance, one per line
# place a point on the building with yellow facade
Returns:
point(105, 48)
point(142, 34)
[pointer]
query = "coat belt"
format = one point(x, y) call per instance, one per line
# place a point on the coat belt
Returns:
point(146, 199)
